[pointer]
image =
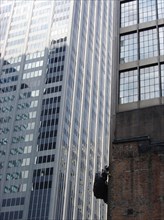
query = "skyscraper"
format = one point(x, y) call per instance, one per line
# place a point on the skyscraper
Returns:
point(54, 107)
point(136, 185)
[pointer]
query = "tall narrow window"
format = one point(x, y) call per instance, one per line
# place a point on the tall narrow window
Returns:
point(149, 82)
point(147, 10)
point(128, 13)
point(128, 48)
point(148, 44)
point(162, 78)
point(161, 40)
point(160, 8)
point(128, 86)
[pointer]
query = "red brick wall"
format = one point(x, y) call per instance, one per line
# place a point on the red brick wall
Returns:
point(136, 186)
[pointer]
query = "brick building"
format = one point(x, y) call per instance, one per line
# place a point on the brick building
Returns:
point(136, 185)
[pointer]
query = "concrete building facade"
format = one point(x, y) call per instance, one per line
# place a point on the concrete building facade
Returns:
point(136, 185)
point(54, 107)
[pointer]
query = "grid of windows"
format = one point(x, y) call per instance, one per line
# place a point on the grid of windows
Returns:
point(8, 89)
point(128, 48)
point(7, 99)
point(128, 86)
point(148, 43)
point(13, 201)
point(128, 13)
point(161, 39)
point(15, 188)
point(149, 82)
point(11, 215)
point(9, 79)
point(147, 11)
point(32, 74)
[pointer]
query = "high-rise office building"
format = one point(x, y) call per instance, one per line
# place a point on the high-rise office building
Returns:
point(54, 107)
point(136, 185)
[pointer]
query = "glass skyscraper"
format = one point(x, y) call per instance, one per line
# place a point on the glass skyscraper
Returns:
point(54, 107)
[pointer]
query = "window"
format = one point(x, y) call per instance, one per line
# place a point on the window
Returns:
point(17, 175)
point(2, 152)
point(53, 89)
point(160, 8)
point(33, 64)
point(3, 141)
point(32, 74)
point(47, 146)
point(6, 109)
point(28, 137)
point(128, 13)
point(128, 48)
point(50, 111)
point(45, 159)
point(148, 43)
point(8, 79)
point(149, 82)
point(35, 55)
point(161, 40)
point(25, 95)
point(19, 163)
point(12, 60)
point(162, 78)
point(34, 104)
point(31, 126)
point(23, 105)
point(35, 93)
point(43, 172)
point(27, 149)
point(147, 10)
point(51, 100)
point(19, 128)
point(53, 79)
point(32, 114)
point(15, 188)
point(15, 151)
point(15, 42)
point(5, 120)
point(128, 86)
point(22, 117)
point(23, 187)
point(7, 98)
point(1, 165)
point(8, 89)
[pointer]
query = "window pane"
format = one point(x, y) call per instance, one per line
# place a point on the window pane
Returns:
point(128, 48)
point(148, 44)
point(160, 8)
point(161, 40)
point(147, 10)
point(149, 82)
point(162, 78)
point(128, 13)
point(128, 86)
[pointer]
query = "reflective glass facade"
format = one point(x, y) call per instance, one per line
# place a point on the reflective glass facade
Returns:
point(54, 107)
point(141, 44)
